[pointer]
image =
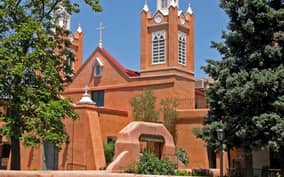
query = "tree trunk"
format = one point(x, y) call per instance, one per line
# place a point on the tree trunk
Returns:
point(282, 160)
point(15, 154)
point(248, 171)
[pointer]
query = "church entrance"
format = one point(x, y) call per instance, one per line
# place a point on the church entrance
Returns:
point(152, 143)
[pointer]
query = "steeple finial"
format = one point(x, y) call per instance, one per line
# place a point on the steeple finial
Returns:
point(79, 29)
point(146, 8)
point(100, 29)
point(173, 3)
point(86, 98)
point(189, 10)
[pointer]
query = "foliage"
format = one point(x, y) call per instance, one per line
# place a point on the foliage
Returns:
point(201, 172)
point(150, 164)
point(144, 110)
point(144, 107)
point(247, 98)
point(182, 156)
point(168, 108)
point(182, 173)
point(278, 174)
point(109, 152)
point(33, 67)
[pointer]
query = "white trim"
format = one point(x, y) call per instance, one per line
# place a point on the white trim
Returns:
point(99, 62)
point(98, 65)
point(159, 45)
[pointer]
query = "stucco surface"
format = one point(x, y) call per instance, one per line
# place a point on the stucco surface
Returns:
point(127, 148)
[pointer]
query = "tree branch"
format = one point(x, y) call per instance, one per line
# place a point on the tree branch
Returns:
point(18, 3)
point(52, 8)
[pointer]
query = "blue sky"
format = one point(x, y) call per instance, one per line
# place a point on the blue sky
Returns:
point(121, 36)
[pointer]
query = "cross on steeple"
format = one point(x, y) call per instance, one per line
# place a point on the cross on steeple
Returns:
point(100, 29)
point(86, 88)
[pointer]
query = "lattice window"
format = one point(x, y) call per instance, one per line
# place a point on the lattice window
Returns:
point(159, 47)
point(182, 48)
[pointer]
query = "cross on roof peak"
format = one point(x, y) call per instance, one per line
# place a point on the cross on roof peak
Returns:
point(86, 88)
point(100, 29)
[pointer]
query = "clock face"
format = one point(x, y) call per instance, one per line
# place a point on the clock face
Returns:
point(182, 19)
point(158, 18)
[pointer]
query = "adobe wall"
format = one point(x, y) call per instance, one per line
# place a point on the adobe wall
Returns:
point(187, 121)
point(83, 150)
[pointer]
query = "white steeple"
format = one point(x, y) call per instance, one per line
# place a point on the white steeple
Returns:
point(146, 8)
point(173, 3)
point(189, 10)
point(79, 29)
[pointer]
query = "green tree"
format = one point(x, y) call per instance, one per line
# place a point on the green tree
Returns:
point(144, 110)
point(170, 114)
point(247, 99)
point(33, 67)
point(144, 107)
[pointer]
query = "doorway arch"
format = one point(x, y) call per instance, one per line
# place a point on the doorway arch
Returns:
point(127, 147)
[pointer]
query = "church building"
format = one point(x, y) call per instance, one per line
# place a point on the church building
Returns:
point(102, 89)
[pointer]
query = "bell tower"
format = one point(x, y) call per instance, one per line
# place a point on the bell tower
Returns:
point(167, 39)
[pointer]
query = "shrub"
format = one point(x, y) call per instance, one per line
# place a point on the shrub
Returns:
point(109, 152)
point(201, 172)
point(182, 173)
point(150, 164)
point(182, 156)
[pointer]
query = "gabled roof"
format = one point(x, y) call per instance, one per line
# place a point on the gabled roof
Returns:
point(114, 61)
point(127, 72)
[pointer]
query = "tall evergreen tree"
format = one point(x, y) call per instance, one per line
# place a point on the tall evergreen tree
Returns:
point(247, 99)
point(33, 68)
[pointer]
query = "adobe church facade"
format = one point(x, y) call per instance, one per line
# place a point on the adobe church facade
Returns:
point(166, 68)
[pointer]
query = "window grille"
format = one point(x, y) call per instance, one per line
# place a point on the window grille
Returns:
point(182, 48)
point(159, 47)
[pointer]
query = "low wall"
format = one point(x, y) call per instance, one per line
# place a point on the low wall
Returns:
point(5, 173)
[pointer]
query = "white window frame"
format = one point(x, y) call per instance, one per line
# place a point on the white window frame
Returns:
point(182, 48)
point(98, 68)
point(159, 46)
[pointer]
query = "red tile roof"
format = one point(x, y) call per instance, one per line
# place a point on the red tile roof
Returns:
point(200, 91)
point(128, 72)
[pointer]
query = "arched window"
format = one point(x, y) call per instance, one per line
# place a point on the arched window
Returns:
point(182, 48)
point(159, 47)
